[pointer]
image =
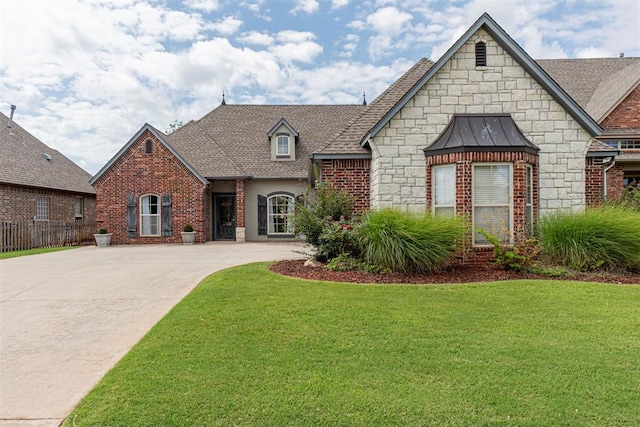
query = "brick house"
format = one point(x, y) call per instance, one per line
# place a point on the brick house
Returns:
point(484, 132)
point(39, 186)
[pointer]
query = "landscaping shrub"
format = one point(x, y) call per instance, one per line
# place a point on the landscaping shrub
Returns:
point(517, 257)
point(600, 238)
point(326, 206)
point(336, 238)
point(409, 242)
point(630, 198)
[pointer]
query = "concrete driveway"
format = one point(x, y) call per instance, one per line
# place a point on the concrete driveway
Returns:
point(67, 317)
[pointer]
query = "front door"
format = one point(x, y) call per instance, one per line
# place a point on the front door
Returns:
point(224, 216)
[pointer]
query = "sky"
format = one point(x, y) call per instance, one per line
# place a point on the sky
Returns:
point(86, 75)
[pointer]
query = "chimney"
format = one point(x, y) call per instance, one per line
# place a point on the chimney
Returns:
point(13, 108)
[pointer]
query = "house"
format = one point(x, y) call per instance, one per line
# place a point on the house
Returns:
point(484, 132)
point(41, 191)
point(608, 89)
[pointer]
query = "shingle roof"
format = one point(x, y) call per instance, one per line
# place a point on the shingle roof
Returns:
point(600, 149)
point(349, 140)
point(231, 141)
point(597, 84)
point(23, 162)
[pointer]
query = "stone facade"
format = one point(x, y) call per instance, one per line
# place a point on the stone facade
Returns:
point(398, 172)
point(138, 172)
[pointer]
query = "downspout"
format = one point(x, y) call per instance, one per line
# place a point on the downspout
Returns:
point(608, 164)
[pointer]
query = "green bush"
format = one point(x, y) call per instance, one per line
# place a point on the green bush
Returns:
point(336, 238)
point(517, 257)
point(346, 262)
point(600, 238)
point(409, 242)
point(630, 198)
point(327, 205)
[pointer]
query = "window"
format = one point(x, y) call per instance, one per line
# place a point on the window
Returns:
point(42, 209)
point(148, 148)
point(444, 190)
point(150, 215)
point(280, 214)
point(481, 54)
point(492, 202)
point(282, 148)
point(528, 213)
point(78, 207)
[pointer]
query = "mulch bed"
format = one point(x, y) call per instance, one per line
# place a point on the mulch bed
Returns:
point(459, 274)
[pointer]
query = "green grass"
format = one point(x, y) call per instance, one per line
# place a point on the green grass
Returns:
point(14, 254)
point(248, 347)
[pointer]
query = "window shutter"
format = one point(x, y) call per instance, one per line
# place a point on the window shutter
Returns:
point(132, 215)
point(262, 215)
point(166, 216)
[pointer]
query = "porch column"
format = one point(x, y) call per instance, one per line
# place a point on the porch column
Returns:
point(240, 210)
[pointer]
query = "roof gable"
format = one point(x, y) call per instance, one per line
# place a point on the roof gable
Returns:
point(161, 138)
point(613, 90)
point(27, 161)
point(285, 123)
point(519, 55)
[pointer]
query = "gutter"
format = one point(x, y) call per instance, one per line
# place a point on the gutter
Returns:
point(605, 168)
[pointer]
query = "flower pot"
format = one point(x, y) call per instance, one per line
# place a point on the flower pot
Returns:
point(188, 237)
point(103, 240)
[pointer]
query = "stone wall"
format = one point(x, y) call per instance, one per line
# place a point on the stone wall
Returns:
point(398, 164)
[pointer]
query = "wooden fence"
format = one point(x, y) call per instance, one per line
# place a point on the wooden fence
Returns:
point(30, 234)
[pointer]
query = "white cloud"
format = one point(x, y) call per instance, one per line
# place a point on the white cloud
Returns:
point(389, 20)
point(204, 5)
point(337, 4)
point(291, 36)
point(305, 6)
point(227, 26)
point(255, 38)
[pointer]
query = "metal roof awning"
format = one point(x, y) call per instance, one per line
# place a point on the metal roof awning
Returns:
point(481, 132)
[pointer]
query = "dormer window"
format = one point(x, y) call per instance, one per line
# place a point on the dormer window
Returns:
point(481, 54)
point(283, 138)
point(283, 145)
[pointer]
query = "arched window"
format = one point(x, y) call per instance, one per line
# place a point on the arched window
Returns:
point(150, 215)
point(481, 54)
point(280, 214)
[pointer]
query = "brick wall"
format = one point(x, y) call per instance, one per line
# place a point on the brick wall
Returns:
point(464, 186)
point(626, 115)
point(19, 203)
point(159, 172)
point(594, 184)
point(351, 175)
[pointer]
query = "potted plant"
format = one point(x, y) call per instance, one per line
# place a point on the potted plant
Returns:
point(188, 235)
point(103, 238)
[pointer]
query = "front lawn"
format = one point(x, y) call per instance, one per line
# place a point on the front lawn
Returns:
point(248, 347)
point(14, 254)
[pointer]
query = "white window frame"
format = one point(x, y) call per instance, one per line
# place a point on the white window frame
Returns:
point(78, 207)
point(274, 214)
point(478, 239)
point(150, 216)
point(529, 221)
point(42, 209)
point(443, 208)
point(287, 143)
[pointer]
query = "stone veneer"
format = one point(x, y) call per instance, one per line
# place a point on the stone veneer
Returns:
point(398, 172)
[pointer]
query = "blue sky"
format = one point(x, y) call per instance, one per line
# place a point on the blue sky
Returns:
point(86, 75)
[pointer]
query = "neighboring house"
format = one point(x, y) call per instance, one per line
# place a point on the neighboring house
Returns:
point(608, 89)
point(483, 132)
point(41, 187)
